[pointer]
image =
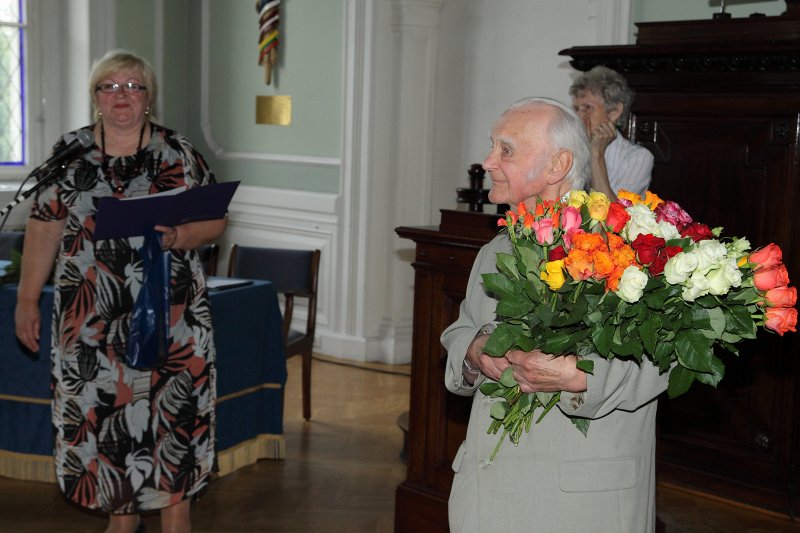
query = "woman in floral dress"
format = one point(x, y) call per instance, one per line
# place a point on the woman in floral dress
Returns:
point(127, 440)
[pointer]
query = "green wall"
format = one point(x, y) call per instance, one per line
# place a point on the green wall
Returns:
point(309, 70)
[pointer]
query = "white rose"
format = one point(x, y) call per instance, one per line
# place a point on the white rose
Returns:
point(667, 231)
point(710, 253)
point(738, 247)
point(631, 284)
point(680, 267)
point(695, 287)
point(718, 283)
point(642, 221)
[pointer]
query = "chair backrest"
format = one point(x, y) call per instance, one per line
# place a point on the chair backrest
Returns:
point(10, 240)
point(293, 272)
point(209, 255)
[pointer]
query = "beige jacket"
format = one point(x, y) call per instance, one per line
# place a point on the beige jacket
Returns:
point(556, 480)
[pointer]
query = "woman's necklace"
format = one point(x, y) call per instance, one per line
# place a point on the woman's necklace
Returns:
point(119, 187)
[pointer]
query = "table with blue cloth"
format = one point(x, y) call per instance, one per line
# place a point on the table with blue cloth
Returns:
point(251, 375)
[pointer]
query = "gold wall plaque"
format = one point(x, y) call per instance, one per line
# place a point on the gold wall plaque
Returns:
point(274, 110)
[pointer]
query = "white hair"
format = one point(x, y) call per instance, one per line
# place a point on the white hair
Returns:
point(565, 132)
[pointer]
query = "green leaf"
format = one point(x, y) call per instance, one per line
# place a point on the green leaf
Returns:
point(507, 264)
point(694, 350)
point(507, 377)
point(499, 284)
point(680, 379)
point(529, 262)
point(501, 340)
point(601, 338)
point(648, 331)
point(514, 306)
point(715, 376)
point(489, 387)
point(498, 410)
point(581, 423)
point(587, 365)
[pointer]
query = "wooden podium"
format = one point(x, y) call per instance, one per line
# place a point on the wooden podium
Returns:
point(437, 418)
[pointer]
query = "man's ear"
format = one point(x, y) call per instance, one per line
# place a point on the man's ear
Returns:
point(560, 166)
point(615, 113)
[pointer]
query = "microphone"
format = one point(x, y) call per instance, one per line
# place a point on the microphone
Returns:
point(46, 172)
point(83, 139)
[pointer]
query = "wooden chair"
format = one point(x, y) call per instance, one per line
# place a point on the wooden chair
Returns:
point(209, 254)
point(10, 240)
point(294, 273)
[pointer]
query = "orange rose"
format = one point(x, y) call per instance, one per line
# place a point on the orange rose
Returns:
point(652, 200)
point(617, 217)
point(603, 264)
point(578, 264)
point(765, 279)
point(587, 241)
point(632, 197)
point(781, 319)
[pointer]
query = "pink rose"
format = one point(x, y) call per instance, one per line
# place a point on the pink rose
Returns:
point(765, 279)
point(543, 230)
point(766, 257)
point(674, 214)
point(781, 319)
point(570, 218)
point(781, 297)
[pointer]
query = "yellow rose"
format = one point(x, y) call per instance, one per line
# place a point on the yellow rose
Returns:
point(598, 206)
point(577, 198)
point(553, 274)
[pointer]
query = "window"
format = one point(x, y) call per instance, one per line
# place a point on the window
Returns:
point(12, 108)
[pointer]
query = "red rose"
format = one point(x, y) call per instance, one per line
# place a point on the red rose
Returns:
point(781, 319)
point(765, 279)
point(647, 246)
point(657, 266)
point(617, 217)
point(557, 253)
point(697, 232)
point(766, 257)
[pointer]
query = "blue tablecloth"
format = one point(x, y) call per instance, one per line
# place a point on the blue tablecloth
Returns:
point(251, 375)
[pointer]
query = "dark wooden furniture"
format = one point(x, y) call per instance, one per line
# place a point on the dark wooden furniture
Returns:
point(718, 104)
point(437, 418)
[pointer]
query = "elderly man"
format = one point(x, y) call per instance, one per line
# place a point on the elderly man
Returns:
point(557, 479)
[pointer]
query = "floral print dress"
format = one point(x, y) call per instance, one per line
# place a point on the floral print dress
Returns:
point(127, 440)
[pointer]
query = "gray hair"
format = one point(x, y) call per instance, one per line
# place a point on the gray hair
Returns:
point(610, 86)
point(565, 132)
point(118, 60)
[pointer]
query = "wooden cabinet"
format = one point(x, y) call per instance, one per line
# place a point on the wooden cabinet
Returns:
point(718, 104)
point(437, 418)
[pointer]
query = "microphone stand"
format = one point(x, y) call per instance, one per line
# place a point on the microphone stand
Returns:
point(51, 175)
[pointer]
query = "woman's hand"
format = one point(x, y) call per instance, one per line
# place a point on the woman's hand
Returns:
point(601, 136)
point(191, 235)
point(28, 323)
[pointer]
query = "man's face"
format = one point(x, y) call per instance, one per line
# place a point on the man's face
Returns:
point(591, 110)
point(519, 157)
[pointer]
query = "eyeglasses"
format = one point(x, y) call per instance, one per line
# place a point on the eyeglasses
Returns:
point(113, 88)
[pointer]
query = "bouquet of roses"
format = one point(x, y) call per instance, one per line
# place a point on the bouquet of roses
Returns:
point(635, 278)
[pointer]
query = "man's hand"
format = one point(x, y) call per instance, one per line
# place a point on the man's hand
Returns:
point(491, 367)
point(537, 371)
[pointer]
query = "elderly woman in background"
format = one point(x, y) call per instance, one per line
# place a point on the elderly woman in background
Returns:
point(127, 440)
point(602, 99)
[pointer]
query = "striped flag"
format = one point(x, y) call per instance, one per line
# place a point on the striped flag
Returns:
point(268, 17)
